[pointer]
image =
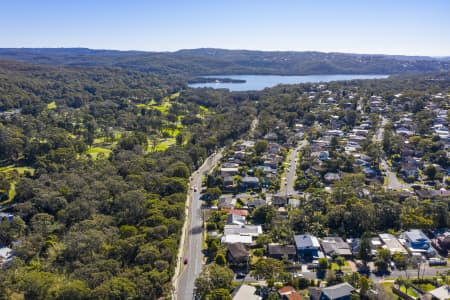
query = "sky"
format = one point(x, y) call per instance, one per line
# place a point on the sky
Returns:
point(408, 27)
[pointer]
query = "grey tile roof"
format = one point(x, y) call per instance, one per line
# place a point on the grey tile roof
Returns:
point(338, 291)
point(306, 241)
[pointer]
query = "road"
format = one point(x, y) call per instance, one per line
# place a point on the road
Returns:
point(393, 183)
point(191, 239)
point(425, 271)
point(288, 187)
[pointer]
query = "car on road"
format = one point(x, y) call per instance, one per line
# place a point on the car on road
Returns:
point(435, 261)
point(185, 261)
point(195, 188)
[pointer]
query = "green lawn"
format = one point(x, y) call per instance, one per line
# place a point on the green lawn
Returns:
point(345, 267)
point(426, 287)
point(94, 152)
point(411, 292)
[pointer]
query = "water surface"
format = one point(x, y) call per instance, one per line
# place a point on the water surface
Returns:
point(260, 82)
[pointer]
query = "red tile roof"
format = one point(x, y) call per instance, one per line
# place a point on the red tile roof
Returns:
point(240, 212)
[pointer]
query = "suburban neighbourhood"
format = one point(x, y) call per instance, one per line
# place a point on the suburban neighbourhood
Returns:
point(252, 204)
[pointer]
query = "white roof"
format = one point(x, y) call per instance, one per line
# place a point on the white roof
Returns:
point(250, 230)
point(236, 238)
point(246, 292)
point(392, 243)
point(229, 169)
point(442, 292)
point(5, 252)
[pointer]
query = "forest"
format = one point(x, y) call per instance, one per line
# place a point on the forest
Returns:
point(208, 61)
point(94, 169)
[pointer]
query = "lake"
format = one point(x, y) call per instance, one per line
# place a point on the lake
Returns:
point(260, 82)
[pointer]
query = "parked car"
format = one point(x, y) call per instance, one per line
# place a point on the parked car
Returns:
point(435, 261)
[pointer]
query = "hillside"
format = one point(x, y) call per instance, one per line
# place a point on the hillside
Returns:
point(208, 61)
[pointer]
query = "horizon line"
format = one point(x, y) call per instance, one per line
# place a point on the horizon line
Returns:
point(229, 49)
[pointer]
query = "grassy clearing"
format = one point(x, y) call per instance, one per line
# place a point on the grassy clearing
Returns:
point(203, 109)
point(163, 145)
point(172, 132)
point(163, 108)
point(95, 152)
point(19, 170)
point(174, 96)
point(9, 170)
point(51, 105)
point(12, 191)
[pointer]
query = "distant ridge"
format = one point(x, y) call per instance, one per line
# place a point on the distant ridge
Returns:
point(212, 61)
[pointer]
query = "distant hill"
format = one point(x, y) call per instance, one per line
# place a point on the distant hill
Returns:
point(209, 61)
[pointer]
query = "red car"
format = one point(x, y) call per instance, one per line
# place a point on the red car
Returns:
point(185, 261)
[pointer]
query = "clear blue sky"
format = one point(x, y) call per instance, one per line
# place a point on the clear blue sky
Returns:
point(364, 26)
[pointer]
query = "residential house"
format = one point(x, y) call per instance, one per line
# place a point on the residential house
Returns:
point(418, 242)
point(278, 251)
point(224, 172)
point(252, 204)
point(249, 230)
point(308, 246)
point(250, 182)
point(342, 291)
point(335, 246)
point(289, 293)
point(279, 200)
point(423, 194)
point(237, 254)
point(245, 292)
point(331, 177)
point(441, 293)
point(324, 155)
point(354, 245)
point(369, 172)
point(402, 131)
point(5, 216)
point(282, 212)
point(391, 243)
point(440, 193)
point(235, 219)
point(237, 211)
point(226, 202)
point(294, 203)
point(409, 172)
point(6, 255)
point(237, 238)
point(228, 181)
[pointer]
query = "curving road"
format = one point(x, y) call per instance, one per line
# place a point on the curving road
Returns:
point(191, 239)
point(289, 184)
point(393, 183)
